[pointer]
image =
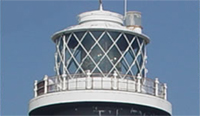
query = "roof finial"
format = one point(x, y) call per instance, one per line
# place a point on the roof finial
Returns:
point(100, 5)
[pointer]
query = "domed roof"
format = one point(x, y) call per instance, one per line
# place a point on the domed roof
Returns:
point(100, 15)
point(99, 19)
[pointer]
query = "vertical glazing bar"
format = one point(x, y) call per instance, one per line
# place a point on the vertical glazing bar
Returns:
point(56, 59)
point(56, 63)
point(145, 61)
point(165, 91)
point(63, 54)
point(35, 88)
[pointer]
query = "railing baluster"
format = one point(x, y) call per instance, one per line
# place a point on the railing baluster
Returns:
point(114, 85)
point(45, 84)
point(149, 86)
point(89, 80)
point(64, 83)
point(139, 83)
point(156, 86)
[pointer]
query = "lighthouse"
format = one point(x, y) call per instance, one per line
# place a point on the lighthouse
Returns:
point(100, 67)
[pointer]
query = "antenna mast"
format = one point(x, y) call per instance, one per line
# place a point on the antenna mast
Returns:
point(125, 8)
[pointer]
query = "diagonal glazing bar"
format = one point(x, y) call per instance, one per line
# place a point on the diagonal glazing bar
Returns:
point(79, 43)
point(106, 53)
point(135, 58)
point(92, 47)
point(88, 53)
point(129, 46)
point(122, 54)
point(68, 49)
point(97, 44)
point(75, 49)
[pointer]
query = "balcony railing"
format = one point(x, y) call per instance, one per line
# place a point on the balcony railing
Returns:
point(97, 82)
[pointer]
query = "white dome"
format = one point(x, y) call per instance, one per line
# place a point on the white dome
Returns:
point(100, 16)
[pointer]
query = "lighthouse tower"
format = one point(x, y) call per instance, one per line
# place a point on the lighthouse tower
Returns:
point(100, 71)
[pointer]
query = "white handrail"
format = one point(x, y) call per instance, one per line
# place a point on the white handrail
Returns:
point(139, 85)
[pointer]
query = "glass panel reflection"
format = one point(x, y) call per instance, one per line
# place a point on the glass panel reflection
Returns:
point(114, 56)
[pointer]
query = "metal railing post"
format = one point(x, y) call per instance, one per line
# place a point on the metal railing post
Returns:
point(165, 91)
point(35, 88)
point(156, 86)
point(64, 81)
point(45, 83)
point(139, 83)
point(88, 80)
point(114, 84)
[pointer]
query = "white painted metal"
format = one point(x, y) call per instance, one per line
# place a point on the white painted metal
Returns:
point(133, 21)
point(61, 55)
point(125, 8)
point(88, 80)
point(112, 86)
point(100, 5)
point(156, 86)
point(100, 16)
point(165, 91)
point(139, 83)
point(35, 88)
point(100, 96)
point(100, 20)
point(145, 86)
point(133, 18)
point(45, 83)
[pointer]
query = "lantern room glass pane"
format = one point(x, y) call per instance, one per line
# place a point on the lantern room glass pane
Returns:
point(105, 42)
point(135, 69)
point(72, 67)
point(115, 51)
point(60, 43)
point(114, 56)
point(122, 43)
point(114, 35)
point(105, 65)
point(80, 34)
point(97, 34)
point(129, 58)
point(140, 60)
point(88, 42)
point(72, 42)
point(135, 46)
point(88, 64)
point(140, 40)
point(130, 37)
point(96, 54)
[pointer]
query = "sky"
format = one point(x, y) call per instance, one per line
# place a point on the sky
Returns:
point(27, 51)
